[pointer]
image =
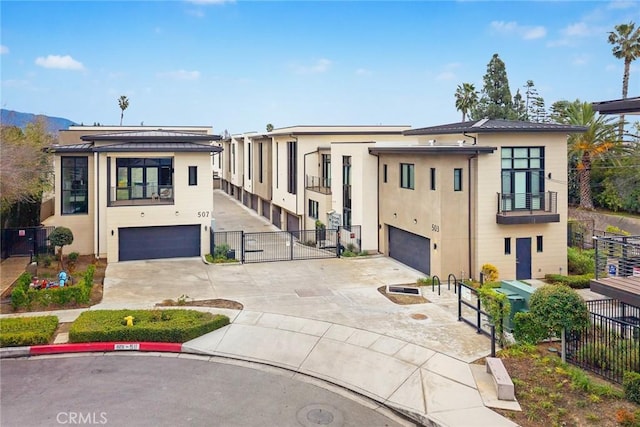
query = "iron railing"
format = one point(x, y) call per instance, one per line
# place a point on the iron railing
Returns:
point(319, 184)
point(141, 195)
point(546, 202)
point(32, 241)
point(610, 345)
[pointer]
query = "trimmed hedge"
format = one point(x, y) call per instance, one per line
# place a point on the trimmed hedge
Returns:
point(148, 325)
point(24, 296)
point(575, 282)
point(21, 331)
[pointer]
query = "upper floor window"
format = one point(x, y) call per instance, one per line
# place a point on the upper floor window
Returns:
point(433, 178)
point(292, 166)
point(457, 179)
point(193, 175)
point(522, 177)
point(407, 175)
point(313, 209)
point(384, 173)
point(75, 185)
point(260, 160)
point(144, 178)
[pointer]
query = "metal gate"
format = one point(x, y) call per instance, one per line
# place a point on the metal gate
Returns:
point(286, 246)
point(31, 241)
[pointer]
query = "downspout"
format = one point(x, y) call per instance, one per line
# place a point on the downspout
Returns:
point(377, 200)
point(96, 226)
point(297, 185)
point(469, 227)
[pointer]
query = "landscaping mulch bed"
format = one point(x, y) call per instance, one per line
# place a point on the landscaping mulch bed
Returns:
point(403, 299)
point(216, 303)
point(549, 397)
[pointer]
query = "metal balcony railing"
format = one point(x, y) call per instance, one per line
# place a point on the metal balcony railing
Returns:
point(141, 195)
point(318, 183)
point(528, 203)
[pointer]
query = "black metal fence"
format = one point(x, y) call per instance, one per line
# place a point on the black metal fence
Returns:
point(31, 241)
point(617, 256)
point(470, 309)
point(610, 345)
point(286, 246)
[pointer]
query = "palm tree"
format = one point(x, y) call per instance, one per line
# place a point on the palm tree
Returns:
point(466, 98)
point(626, 45)
point(597, 140)
point(123, 102)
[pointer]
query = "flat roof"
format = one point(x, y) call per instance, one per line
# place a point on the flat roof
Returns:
point(339, 130)
point(618, 106)
point(431, 149)
point(156, 135)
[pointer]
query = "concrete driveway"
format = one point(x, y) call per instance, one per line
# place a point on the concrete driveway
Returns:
point(342, 291)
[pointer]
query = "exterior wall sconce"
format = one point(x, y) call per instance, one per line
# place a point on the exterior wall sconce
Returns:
point(549, 175)
point(415, 221)
point(205, 228)
point(435, 246)
point(395, 215)
point(112, 232)
point(177, 213)
point(142, 214)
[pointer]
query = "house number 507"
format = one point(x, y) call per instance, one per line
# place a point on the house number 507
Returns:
point(435, 228)
point(203, 214)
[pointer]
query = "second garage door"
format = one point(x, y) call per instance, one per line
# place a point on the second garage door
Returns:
point(410, 249)
point(177, 241)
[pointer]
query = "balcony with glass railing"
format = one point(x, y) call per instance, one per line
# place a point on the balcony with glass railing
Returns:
point(137, 195)
point(527, 208)
point(318, 184)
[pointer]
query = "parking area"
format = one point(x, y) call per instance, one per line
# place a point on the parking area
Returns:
point(341, 291)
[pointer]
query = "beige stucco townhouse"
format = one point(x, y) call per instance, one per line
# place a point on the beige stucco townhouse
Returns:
point(297, 175)
point(465, 194)
point(131, 193)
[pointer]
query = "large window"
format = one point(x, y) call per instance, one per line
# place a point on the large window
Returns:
point(260, 159)
point(522, 178)
point(346, 192)
point(326, 170)
point(193, 175)
point(292, 166)
point(149, 178)
point(407, 175)
point(75, 185)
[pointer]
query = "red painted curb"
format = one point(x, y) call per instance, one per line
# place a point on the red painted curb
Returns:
point(105, 346)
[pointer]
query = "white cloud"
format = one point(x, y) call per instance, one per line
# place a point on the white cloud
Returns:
point(181, 75)
point(3, 49)
point(363, 72)
point(527, 32)
point(446, 75)
point(579, 29)
point(582, 59)
point(610, 67)
point(196, 12)
point(59, 62)
point(322, 65)
point(621, 4)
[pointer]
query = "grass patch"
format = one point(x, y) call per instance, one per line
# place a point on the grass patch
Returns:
point(148, 325)
point(21, 331)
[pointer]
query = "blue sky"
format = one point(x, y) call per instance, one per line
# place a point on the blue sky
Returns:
point(240, 65)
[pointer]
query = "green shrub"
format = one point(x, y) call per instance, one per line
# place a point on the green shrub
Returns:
point(526, 330)
point(23, 296)
point(580, 261)
point(424, 281)
point(148, 325)
point(557, 306)
point(490, 272)
point(73, 256)
point(221, 251)
point(21, 331)
point(497, 306)
point(575, 282)
point(616, 230)
point(631, 385)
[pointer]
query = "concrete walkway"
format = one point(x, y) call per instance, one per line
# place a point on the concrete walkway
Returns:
point(10, 269)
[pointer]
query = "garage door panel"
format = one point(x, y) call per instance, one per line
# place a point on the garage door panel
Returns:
point(136, 243)
point(410, 249)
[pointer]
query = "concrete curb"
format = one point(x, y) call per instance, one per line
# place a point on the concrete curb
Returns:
point(35, 350)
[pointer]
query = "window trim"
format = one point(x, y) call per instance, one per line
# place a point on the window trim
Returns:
point(457, 179)
point(408, 176)
point(193, 175)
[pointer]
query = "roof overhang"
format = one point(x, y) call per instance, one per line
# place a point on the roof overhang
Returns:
point(139, 147)
point(152, 136)
point(433, 150)
point(618, 106)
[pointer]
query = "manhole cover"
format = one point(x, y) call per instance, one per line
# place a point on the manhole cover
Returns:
point(419, 316)
point(320, 415)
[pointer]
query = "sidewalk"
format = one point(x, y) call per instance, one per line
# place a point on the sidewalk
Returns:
point(10, 269)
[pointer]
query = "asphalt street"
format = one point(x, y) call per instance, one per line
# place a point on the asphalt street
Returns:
point(152, 390)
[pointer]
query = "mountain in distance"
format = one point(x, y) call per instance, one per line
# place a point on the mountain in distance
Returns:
point(16, 118)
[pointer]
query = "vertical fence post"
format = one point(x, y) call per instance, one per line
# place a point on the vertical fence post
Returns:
point(290, 246)
point(242, 246)
point(493, 340)
point(478, 328)
point(595, 244)
point(459, 303)
point(338, 242)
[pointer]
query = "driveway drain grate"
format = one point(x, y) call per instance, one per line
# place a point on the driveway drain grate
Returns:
point(403, 290)
point(320, 415)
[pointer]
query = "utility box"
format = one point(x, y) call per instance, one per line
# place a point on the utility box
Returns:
point(518, 294)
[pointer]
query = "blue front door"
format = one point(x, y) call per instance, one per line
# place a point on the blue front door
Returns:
point(523, 258)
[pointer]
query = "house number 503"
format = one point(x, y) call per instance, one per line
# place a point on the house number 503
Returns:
point(203, 214)
point(435, 228)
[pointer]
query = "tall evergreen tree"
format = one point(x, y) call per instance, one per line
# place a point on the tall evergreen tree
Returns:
point(495, 100)
point(519, 106)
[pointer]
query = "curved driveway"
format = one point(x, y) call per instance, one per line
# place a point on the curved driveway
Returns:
point(123, 390)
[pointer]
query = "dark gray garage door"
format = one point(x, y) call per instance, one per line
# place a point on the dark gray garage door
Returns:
point(159, 242)
point(410, 249)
